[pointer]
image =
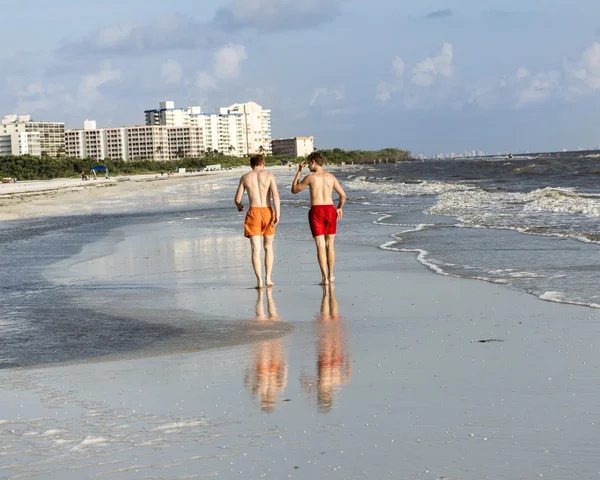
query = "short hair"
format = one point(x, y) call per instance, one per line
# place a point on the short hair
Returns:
point(256, 160)
point(316, 157)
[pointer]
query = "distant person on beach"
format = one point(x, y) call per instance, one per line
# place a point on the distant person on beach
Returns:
point(262, 216)
point(323, 216)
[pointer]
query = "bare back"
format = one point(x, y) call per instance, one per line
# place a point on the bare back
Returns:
point(258, 186)
point(321, 185)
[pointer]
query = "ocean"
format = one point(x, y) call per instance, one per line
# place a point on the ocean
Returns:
point(527, 223)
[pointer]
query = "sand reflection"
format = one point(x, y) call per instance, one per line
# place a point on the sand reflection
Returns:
point(267, 376)
point(333, 360)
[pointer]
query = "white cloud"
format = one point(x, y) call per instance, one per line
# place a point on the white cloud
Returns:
point(171, 71)
point(398, 66)
point(205, 81)
point(540, 87)
point(88, 92)
point(587, 70)
point(228, 60)
point(522, 73)
point(336, 94)
point(387, 88)
point(426, 71)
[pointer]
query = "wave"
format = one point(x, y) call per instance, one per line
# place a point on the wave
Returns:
point(403, 188)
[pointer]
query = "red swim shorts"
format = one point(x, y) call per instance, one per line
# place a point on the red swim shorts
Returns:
point(322, 220)
point(259, 222)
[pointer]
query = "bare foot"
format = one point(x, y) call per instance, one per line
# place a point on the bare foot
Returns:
point(259, 285)
point(325, 281)
point(269, 282)
point(332, 279)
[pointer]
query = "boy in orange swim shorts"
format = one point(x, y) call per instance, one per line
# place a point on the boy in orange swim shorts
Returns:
point(262, 217)
point(259, 222)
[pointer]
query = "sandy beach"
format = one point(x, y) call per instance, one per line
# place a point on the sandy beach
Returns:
point(395, 372)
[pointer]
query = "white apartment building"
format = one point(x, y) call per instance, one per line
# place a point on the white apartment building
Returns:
point(51, 134)
point(256, 123)
point(149, 142)
point(170, 116)
point(222, 132)
point(293, 147)
point(240, 129)
point(21, 143)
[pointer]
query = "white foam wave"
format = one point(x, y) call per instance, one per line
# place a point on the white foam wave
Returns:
point(559, 297)
point(562, 201)
point(404, 189)
point(489, 204)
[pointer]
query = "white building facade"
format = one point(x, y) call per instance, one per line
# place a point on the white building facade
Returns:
point(146, 142)
point(293, 147)
point(256, 124)
point(51, 134)
point(240, 129)
point(21, 143)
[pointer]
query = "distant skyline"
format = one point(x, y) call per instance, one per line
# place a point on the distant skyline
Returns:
point(428, 76)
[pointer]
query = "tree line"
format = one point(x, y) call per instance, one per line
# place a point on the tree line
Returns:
point(27, 167)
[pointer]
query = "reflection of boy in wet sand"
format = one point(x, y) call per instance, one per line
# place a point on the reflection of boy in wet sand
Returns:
point(268, 375)
point(333, 361)
point(323, 216)
point(261, 218)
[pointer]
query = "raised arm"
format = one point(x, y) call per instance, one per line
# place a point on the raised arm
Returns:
point(275, 195)
point(297, 187)
point(239, 195)
point(342, 197)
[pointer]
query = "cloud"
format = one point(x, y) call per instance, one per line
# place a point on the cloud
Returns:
point(274, 15)
point(88, 92)
point(426, 71)
point(164, 33)
point(181, 32)
point(540, 87)
point(171, 71)
point(228, 60)
point(336, 94)
point(205, 81)
point(447, 12)
point(386, 89)
point(587, 69)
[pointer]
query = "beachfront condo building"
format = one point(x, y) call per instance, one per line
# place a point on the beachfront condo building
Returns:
point(51, 134)
point(21, 143)
point(144, 142)
point(293, 147)
point(256, 126)
point(240, 129)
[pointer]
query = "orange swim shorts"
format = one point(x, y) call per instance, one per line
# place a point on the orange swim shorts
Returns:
point(259, 222)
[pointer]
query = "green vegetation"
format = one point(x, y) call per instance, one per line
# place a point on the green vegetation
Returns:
point(27, 167)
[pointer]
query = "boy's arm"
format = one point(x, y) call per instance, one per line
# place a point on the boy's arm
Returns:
point(239, 195)
point(342, 197)
point(276, 201)
point(297, 187)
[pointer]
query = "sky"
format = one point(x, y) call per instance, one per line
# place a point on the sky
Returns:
point(429, 76)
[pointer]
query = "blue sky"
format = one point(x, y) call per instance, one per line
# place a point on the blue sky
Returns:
point(429, 76)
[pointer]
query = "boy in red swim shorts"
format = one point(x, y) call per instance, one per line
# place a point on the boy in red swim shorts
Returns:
point(261, 218)
point(323, 216)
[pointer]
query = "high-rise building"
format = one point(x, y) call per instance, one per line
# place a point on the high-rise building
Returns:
point(51, 134)
point(256, 124)
point(20, 143)
point(293, 147)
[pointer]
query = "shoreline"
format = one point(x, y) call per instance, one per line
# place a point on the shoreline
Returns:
point(38, 198)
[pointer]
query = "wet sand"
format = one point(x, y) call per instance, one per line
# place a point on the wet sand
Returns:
point(394, 373)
